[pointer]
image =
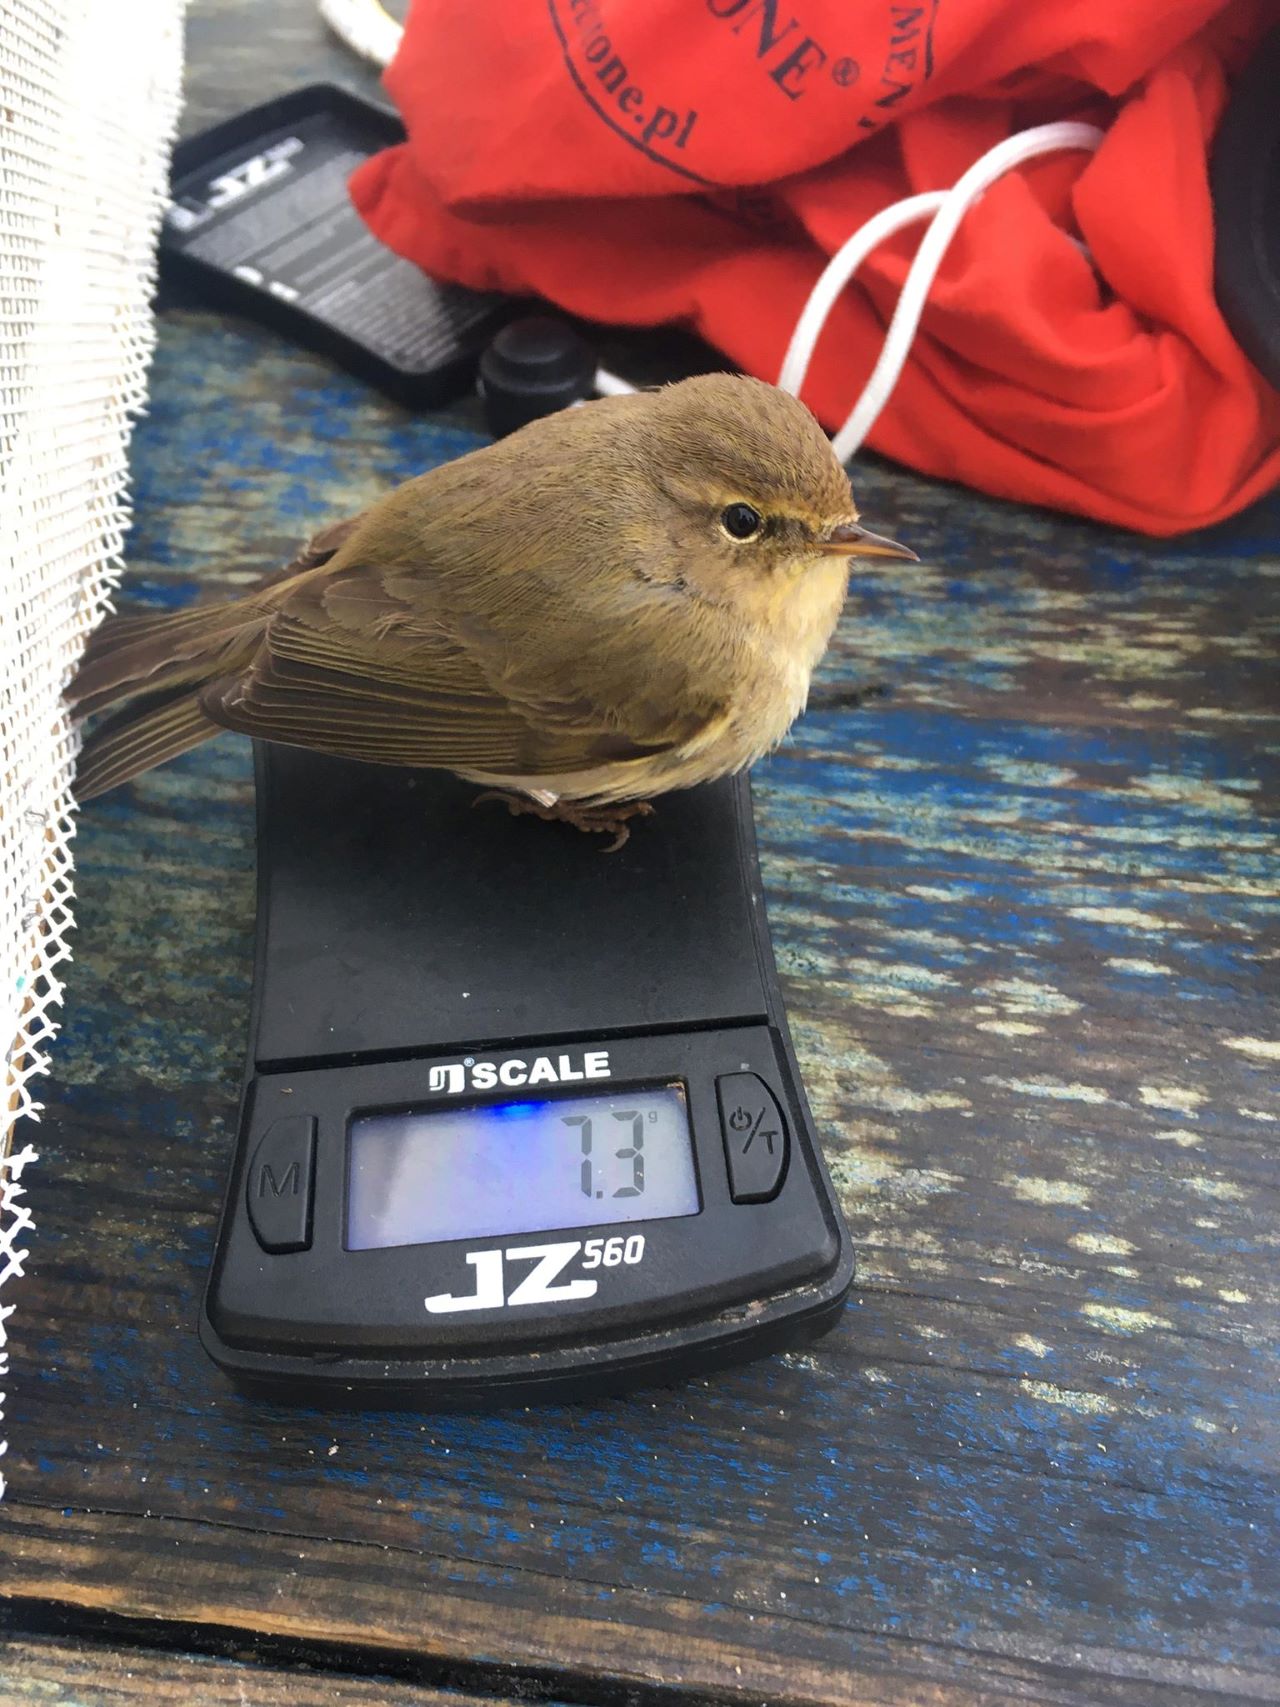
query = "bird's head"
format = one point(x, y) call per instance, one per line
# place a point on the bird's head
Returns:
point(755, 498)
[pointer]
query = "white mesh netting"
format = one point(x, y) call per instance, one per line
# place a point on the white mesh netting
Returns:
point(89, 95)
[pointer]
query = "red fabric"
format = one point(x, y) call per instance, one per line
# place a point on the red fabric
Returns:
point(640, 161)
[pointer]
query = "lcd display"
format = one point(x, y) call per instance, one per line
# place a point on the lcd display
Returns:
point(519, 1167)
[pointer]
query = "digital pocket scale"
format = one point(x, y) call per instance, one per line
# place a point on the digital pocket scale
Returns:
point(521, 1121)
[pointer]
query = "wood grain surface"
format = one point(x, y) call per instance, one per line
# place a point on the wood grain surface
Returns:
point(1024, 904)
point(76, 1673)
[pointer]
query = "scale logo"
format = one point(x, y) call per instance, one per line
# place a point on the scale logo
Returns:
point(457, 1076)
point(542, 1285)
point(235, 183)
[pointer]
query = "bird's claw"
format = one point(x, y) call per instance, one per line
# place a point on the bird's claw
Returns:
point(593, 820)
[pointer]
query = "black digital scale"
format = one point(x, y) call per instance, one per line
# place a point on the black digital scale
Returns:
point(521, 1122)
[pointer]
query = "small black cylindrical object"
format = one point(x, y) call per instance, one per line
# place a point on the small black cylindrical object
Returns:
point(533, 367)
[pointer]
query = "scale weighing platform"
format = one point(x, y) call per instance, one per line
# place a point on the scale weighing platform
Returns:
point(521, 1121)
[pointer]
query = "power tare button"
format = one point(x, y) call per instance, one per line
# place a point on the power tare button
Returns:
point(755, 1137)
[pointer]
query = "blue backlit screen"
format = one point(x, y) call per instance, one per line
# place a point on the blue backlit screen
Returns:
point(519, 1167)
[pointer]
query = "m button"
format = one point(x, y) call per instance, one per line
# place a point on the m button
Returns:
point(755, 1137)
point(279, 1187)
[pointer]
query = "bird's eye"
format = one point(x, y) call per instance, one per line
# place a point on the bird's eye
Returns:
point(740, 521)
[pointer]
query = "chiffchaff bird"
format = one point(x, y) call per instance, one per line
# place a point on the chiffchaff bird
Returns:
point(617, 600)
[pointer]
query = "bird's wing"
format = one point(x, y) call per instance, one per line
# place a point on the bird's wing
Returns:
point(348, 669)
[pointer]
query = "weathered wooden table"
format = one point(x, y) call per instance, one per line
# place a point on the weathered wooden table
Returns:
point(1024, 903)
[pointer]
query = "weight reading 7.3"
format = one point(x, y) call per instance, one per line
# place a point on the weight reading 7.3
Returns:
point(424, 1176)
point(633, 1152)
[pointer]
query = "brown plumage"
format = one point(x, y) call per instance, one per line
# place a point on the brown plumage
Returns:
point(565, 614)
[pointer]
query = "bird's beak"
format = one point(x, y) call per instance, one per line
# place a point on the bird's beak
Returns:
point(851, 539)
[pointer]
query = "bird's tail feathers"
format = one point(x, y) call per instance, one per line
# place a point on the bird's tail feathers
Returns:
point(146, 732)
point(154, 668)
point(148, 654)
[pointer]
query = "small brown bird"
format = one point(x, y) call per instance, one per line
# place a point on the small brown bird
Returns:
point(615, 601)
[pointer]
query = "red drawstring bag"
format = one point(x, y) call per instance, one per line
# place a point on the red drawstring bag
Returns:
point(641, 161)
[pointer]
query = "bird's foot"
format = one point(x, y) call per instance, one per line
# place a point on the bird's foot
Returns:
point(594, 820)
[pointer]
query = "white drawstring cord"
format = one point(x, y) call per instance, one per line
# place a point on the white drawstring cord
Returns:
point(945, 208)
point(610, 385)
point(366, 27)
point(951, 209)
point(837, 273)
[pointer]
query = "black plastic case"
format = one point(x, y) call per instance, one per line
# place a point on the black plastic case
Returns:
point(261, 222)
